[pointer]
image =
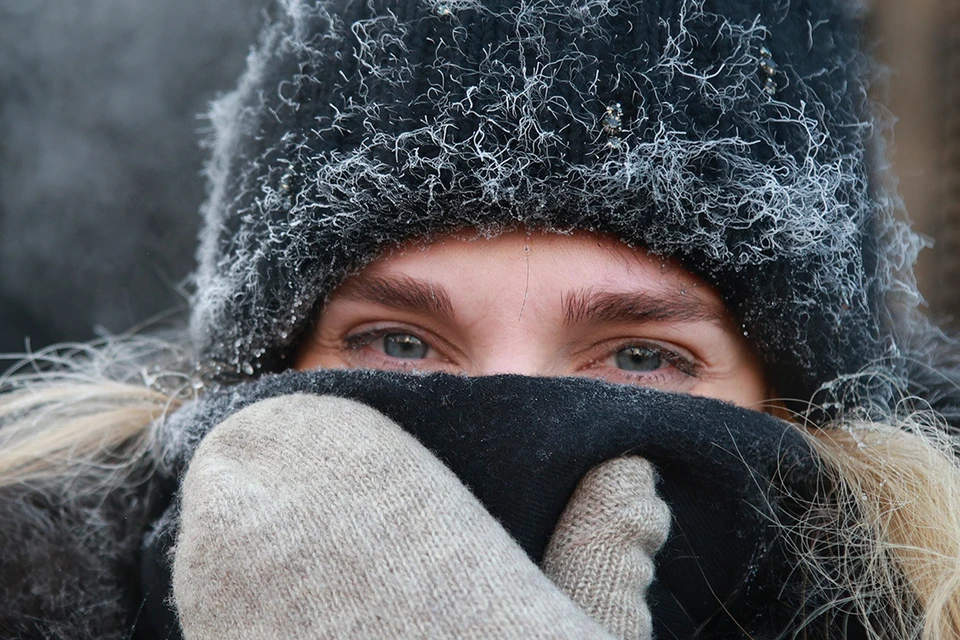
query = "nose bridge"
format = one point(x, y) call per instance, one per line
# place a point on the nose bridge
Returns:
point(516, 352)
point(517, 364)
point(516, 335)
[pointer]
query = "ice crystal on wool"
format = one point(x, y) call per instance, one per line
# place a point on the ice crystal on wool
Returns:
point(357, 128)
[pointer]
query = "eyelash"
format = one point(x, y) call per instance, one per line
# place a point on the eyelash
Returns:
point(683, 364)
point(355, 342)
point(688, 366)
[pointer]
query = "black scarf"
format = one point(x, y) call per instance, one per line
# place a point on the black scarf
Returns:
point(730, 476)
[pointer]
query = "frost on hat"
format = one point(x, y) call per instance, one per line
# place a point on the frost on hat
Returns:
point(732, 135)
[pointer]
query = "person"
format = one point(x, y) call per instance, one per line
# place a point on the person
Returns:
point(565, 319)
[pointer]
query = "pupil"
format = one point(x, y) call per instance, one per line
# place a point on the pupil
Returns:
point(638, 359)
point(403, 345)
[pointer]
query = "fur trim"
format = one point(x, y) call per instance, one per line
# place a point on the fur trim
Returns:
point(73, 573)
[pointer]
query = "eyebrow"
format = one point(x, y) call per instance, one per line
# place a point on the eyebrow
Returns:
point(579, 306)
point(586, 305)
point(400, 293)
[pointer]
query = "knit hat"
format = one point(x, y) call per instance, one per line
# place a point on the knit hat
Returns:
point(731, 135)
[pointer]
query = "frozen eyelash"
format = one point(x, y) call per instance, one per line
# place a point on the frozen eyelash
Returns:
point(357, 341)
point(683, 364)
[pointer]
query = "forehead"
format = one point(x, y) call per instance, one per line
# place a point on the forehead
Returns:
point(578, 259)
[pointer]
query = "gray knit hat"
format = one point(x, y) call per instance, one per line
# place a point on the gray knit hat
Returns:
point(729, 134)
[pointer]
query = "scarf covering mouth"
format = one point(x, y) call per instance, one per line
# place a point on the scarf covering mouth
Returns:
point(730, 476)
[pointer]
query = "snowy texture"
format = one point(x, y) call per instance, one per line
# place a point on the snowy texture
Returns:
point(360, 125)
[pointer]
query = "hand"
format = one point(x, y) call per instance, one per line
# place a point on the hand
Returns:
point(602, 551)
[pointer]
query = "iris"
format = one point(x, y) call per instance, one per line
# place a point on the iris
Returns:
point(638, 359)
point(404, 345)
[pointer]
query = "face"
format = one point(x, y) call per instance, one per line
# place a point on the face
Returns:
point(538, 304)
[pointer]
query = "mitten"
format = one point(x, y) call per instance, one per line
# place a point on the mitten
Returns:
point(318, 517)
point(602, 551)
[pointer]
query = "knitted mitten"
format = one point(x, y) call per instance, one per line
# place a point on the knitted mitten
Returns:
point(601, 553)
point(306, 516)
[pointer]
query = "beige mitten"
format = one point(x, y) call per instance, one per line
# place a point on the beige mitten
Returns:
point(601, 552)
point(317, 517)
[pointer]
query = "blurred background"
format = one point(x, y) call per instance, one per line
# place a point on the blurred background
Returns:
point(100, 166)
point(919, 43)
point(99, 161)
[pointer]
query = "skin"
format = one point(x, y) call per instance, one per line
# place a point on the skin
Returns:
point(539, 304)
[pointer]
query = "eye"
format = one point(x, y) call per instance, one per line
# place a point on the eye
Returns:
point(404, 346)
point(647, 363)
point(391, 347)
point(638, 359)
